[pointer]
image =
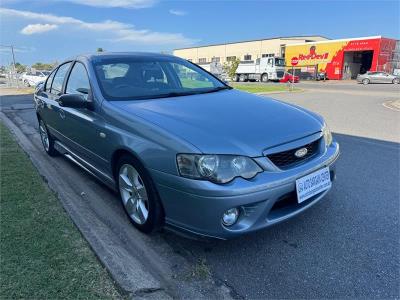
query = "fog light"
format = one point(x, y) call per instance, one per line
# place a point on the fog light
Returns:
point(230, 216)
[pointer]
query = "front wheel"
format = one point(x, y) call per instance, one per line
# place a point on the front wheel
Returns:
point(396, 81)
point(47, 140)
point(26, 83)
point(138, 195)
point(365, 81)
point(264, 78)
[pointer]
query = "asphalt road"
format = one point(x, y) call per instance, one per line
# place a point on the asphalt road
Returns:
point(345, 246)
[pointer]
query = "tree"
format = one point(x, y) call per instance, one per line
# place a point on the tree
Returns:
point(42, 66)
point(231, 67)
point(20, 68)
point(100, 50)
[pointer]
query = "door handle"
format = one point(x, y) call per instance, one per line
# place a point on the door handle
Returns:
point(62, 114)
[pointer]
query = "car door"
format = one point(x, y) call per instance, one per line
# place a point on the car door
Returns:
point(55, 112)
point(84, 127)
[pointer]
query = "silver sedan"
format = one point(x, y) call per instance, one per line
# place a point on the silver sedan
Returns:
point(377, 77)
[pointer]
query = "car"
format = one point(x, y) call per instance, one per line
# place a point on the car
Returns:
point(33, 78)
point(377, 77)
point(183, 149)
point(321, 76)
point(287, 77)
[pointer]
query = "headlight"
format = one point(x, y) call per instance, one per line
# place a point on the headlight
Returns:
point(327, 135)
point(217, 168)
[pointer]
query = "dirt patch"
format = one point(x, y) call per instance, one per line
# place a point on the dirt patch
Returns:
point(392, 104)
point(7, 91)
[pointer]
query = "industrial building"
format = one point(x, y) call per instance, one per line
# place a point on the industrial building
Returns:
point(246, 50)
point(344, 58)
point(338, 59)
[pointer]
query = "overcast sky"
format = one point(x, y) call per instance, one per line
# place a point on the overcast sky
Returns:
point(49, 30)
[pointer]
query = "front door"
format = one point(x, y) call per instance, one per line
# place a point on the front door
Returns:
point(84, 127)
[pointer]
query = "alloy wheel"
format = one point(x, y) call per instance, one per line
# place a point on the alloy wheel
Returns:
point(133, 194)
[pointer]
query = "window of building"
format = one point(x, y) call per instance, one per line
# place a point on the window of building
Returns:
point(202, 60)
point(247, 57)
point(216, 59)
point(230, 58)
point(283, 47)
point(268, 55)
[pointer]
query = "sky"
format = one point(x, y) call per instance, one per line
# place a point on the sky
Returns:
point(53, 30)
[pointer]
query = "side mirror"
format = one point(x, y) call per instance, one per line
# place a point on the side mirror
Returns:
point(39, 87)
point(73, 101)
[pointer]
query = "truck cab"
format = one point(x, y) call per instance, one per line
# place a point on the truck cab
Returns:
point(262, 69)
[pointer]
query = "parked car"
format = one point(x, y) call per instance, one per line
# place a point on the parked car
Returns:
point(33, 78)
point(321, 76)
point(185, 151)
point(287, 77)
point(377, 77)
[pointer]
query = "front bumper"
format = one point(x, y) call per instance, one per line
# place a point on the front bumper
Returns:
point(196, 206)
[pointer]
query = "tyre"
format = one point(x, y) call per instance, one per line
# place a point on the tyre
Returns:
point(264, 78)
point(47, 139)
point(138, 195)
point(365, 81)
point(235, 78)
point(396, 81)
point(26, 83)
point(242, 78)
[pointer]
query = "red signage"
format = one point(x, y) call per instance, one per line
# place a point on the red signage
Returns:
point(294, 61)
point(313, 55)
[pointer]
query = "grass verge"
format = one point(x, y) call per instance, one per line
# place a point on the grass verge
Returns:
point(42, 254)
point(256, 88)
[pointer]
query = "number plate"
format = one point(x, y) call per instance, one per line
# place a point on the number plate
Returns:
point(313, 184)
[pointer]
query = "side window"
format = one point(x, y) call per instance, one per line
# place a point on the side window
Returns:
point(49, 81)
point(78, 81)
point(58, 80)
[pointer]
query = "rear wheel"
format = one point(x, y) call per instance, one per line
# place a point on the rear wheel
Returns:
point(242, 78)
point(365, 81)
point(396, 81)
point(138, 195)
point(264, 78)
point(26, 83)
point(235, 78)
point(47, 140)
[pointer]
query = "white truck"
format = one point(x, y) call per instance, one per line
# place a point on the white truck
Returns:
point(263, 69)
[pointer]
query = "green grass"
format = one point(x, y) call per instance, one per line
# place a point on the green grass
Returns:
point(42, 254)
point(256, 88)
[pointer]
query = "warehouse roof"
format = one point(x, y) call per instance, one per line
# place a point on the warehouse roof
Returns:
point(256, 40)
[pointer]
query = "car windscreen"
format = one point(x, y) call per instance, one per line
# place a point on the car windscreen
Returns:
point(130, 78)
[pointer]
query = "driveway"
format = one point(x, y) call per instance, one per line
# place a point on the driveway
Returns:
point(345, 246)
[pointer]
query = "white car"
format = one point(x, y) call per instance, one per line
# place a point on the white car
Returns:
point(33, 78)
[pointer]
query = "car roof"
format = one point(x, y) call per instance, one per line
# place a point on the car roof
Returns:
point(110, 55)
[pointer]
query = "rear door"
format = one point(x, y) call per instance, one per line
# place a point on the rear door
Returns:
point(54, 111)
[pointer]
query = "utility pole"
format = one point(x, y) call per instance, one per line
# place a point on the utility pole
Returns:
point(13, 58)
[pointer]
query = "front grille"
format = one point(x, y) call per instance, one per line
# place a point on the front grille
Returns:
point(280, 74)
point(288, 159)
